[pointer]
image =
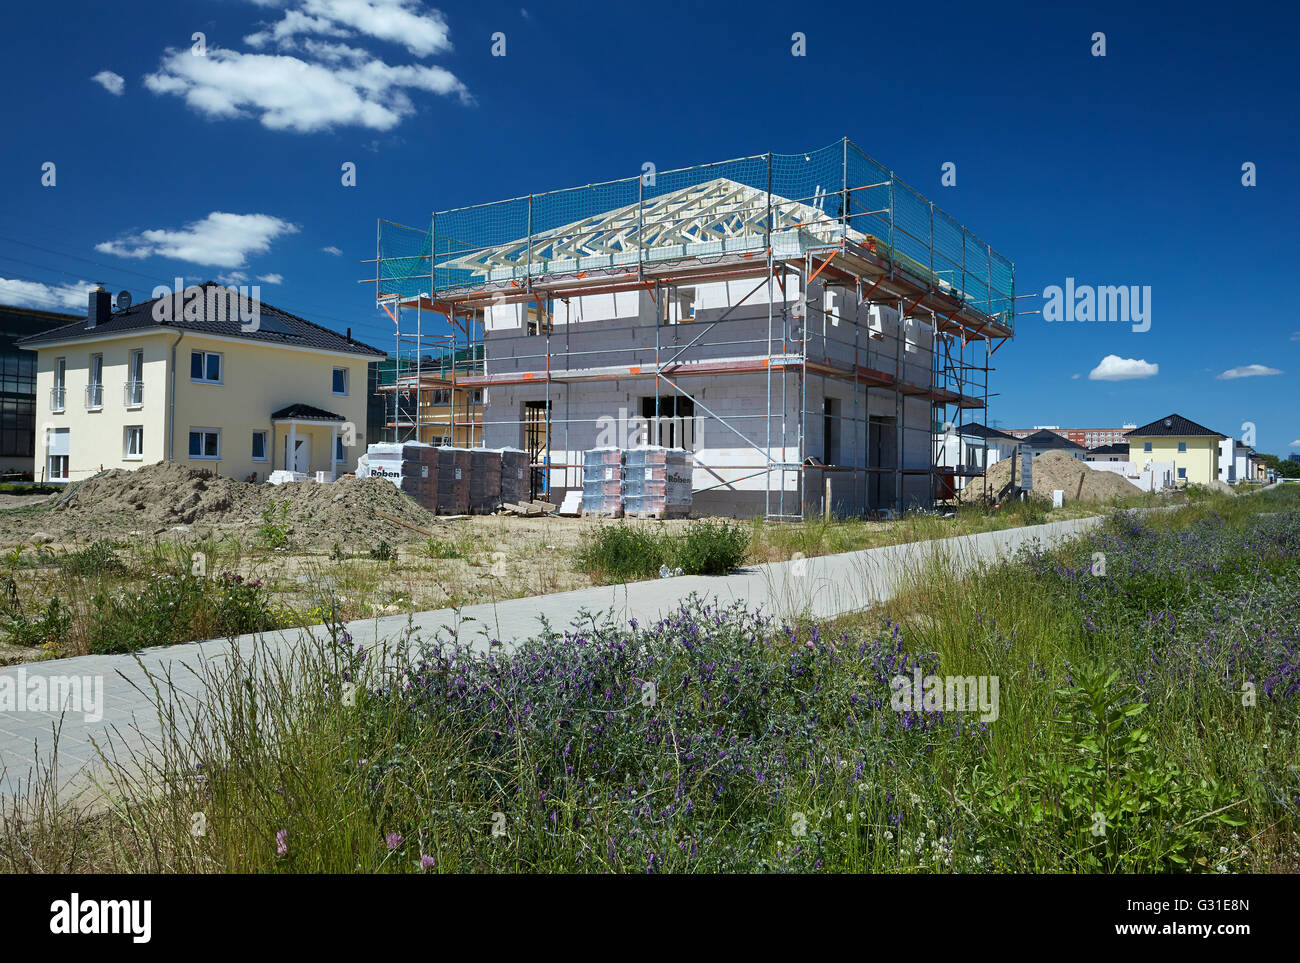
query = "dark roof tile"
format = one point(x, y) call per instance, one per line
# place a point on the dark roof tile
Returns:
point(275, 325)
point(1173, 426)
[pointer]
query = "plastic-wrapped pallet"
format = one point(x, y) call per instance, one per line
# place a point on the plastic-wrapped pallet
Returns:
point(602, 482)
point(516, 467)
point(411, 466)
point(484, 481)
point(453, 471)
point(657, 482)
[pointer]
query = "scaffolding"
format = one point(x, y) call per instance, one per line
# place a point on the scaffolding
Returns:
point(833, 224)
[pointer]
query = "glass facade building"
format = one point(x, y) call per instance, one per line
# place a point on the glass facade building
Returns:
point(18, 385)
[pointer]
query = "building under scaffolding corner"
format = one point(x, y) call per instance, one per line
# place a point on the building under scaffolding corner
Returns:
point(805, 324)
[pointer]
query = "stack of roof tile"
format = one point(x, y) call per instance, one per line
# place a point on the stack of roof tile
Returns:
point(602, 482)
point(657, 482)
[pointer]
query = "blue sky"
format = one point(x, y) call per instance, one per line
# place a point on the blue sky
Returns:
point(1117, 170)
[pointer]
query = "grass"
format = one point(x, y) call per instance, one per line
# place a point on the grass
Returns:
point(1147, 722)
point(464, 564)
point(621, 553)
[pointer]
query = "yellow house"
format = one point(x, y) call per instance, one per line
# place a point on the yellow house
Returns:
point(448, 414)
point(1193, 448)
point(205, 377)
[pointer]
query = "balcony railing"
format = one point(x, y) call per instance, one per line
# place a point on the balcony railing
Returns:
point(57, 397)
point(94, 397)
point(133, 394)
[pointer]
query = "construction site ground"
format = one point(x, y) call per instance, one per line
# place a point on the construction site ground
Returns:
point(359, 544)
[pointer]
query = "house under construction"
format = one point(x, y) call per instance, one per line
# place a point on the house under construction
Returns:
point(805, 324)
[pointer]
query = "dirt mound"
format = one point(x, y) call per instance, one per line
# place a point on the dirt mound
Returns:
point(164, 496)
point(1055, 470)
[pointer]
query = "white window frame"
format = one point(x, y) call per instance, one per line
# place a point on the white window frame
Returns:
point(50, 457)
point(344, 392)
point(131, 358)
point(92, 383)
point(203, 431)
point(221, 367)
point(266, 441)
point(59, 389)
point(340, 453)
point(126, 442)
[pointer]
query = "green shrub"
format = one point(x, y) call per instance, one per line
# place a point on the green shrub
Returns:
point(96, 559)
point(179, 606)
point(711, 549)
point(49, 628)
point(383, 552)
point(1106, 799)
point(622, 553)
point(274, 530)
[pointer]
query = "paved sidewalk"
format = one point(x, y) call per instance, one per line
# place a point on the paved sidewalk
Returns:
point(818, 587)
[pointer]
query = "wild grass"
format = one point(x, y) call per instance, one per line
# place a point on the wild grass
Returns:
point(1147, 721)
point(621, 553)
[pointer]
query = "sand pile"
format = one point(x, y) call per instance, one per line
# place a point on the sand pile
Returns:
point(1055, 470)
point(162, 497)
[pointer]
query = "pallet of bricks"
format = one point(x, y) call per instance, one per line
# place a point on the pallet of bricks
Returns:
point(412, 466)
point(453, 482)
point(484, 481)
point(657, 483)
point(515, 480)
point(602, 483)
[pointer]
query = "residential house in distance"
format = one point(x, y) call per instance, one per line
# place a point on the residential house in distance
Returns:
point(1048, 440)
point(185, 379)
point(425, 402)
point(1236, 461)
point(18, 386)
point(1116, 452)
point(1087, 437)
point(1193, 448)
point(972, 448)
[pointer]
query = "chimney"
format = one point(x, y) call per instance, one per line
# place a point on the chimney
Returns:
point(349, 334)
point(101, 307)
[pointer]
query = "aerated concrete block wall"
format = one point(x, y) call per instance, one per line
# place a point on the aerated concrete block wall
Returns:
point(611, 336)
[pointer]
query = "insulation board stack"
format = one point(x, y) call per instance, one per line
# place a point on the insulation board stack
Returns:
point(516, 485)
point(453, 481)
point(411, 466)
point(484, 481)
point(602, 482)
point(657, 483)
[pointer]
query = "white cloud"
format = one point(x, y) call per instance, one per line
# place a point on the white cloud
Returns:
point(331, 249)
point(1247, 371)
point(402, 22)
point(286, 93)
point(113, 83)
point(1115, 368)
point(1295, 335)
point(1074, 377)
point(45, 297)
point(218, 240)
point(1296, 443)
point(271, 278)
